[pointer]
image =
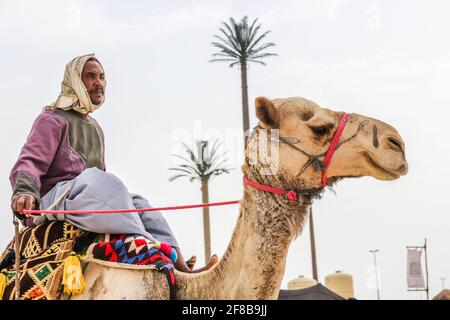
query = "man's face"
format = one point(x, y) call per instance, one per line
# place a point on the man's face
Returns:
point(94, 81)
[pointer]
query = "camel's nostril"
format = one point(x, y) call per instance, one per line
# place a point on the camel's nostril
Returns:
point(395, 144)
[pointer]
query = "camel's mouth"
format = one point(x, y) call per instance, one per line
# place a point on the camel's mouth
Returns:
point(387, 174)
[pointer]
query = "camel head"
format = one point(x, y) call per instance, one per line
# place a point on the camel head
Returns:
point(288, 147)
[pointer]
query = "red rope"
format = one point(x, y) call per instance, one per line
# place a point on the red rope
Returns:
point(212, 204)
point(291, 195)
point(333, 146)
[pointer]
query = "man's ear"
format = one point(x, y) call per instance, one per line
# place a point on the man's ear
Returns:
point(266, 112)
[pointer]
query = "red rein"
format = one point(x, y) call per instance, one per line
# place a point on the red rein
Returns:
point(212, 204)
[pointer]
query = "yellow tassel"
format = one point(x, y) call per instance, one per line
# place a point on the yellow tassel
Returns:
point(73, 280)
point(2, 283)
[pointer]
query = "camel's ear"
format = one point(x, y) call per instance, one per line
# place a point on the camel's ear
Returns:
point(266, 112)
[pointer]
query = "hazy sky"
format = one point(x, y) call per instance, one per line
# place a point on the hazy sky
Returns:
point(385, 59)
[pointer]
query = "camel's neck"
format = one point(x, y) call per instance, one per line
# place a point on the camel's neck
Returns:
point(254, 262)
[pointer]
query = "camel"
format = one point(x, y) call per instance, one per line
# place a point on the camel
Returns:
point(286, 151)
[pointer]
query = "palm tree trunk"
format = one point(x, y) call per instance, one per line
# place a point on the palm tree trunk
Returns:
point(206, 223)
point(245, 114)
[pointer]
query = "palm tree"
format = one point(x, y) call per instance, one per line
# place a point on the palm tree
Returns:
point(240, 44)
point(202, 166)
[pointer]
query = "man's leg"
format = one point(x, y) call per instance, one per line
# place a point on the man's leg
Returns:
point(182, 265)
point(94, 189)
point(191, 262)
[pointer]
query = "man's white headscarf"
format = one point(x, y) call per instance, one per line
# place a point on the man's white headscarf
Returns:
point(73, 92)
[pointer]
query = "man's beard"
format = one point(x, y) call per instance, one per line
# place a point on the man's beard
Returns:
point(95, 91)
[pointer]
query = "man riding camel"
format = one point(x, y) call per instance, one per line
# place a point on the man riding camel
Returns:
point(63, 162)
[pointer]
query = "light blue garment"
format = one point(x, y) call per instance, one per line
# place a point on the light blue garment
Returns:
point(95, 189)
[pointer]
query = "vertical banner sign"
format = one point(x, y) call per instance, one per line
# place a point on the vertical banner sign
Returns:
point(415, 274)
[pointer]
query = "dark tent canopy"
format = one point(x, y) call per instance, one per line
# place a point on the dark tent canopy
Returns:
point(317, 292)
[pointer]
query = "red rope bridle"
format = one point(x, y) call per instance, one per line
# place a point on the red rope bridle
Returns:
point(333, 146)
point(291, 194)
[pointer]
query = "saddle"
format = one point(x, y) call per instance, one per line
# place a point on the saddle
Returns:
point(47, 248)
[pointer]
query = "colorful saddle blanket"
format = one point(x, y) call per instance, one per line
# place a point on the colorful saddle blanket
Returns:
point(137, 250)
point(45, 247)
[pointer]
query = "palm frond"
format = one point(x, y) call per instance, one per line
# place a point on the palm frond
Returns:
point(181, 157)
point(256, 61)
point(172, 178)
point(218, 156)
point(263, 55)
point(183, 170)
point(217, 173)
point(194, 178)
point(237, 27)
point(232, 34)
point(225, 49)
point(258, 40)
point(192, 168)
point(224, 55)
point(210, 156)
point(248, 34)
point(218, 167)
point(235, 63)
point(230, 39)
point(263, 47)
point(252, 32)
point(222, 60)
point(190, 153)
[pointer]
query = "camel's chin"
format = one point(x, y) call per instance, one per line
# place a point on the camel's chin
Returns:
point(380, 172)
point(387, 177)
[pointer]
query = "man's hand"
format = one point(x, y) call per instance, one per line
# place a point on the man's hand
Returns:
point(23, 201)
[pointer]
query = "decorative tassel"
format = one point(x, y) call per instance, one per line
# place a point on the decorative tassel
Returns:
point(2, 283)
point(167, 249)
point(73, 280)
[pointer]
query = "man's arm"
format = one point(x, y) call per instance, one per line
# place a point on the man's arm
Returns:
point(34, 160)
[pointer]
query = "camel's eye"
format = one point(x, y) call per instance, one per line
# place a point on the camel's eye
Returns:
point(322, 130)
